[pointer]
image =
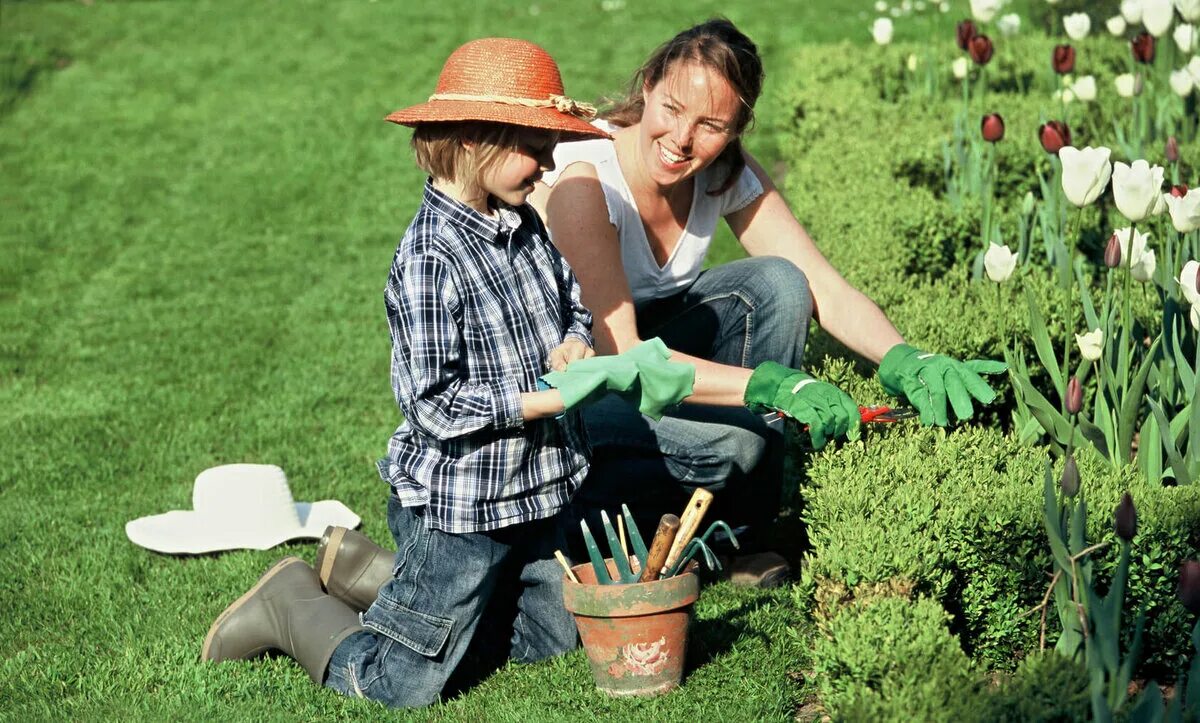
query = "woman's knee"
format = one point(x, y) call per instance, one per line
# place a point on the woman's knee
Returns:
point(781, 287)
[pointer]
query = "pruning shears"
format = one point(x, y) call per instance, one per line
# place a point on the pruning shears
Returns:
point(886, 415)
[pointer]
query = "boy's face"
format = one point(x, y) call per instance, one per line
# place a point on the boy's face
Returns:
point(512, 178)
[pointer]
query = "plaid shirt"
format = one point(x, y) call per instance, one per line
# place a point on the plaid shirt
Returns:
point(475, 305)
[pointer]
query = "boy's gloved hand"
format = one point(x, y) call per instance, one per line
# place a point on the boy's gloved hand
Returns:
point(828, 411)
point(642, 375)
point(927, 380)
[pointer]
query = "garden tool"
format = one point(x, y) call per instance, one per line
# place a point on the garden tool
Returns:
point(688, 524)
point(668, 526)
point(625, 573)
point(696, 545)
point(720, 525)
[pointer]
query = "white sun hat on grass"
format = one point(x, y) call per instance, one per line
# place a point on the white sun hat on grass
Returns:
point(238, 506)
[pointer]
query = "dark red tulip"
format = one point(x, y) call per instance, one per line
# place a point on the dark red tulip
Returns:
point(1074, 396)
point(1125, 519)
point(964, 32)
point(1189, 586)
point(1063, 59)
point(980, 49)
point(1112, 252)
point(1054, 135)
point(1179, 191)
point(1070, 477)
point(1143, 47)
point(992, 127)
point(1172, 150)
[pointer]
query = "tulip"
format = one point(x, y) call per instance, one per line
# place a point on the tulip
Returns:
point(959, 68)
point(1184, 209)
point(1077, 25)
point(1193, 67)
point(1064, 95)
point(1128, 85)
point(1112, 252)
point(1063, 59)
point(1009, 25)
point(1188, 9)
point(1085, 88)
point(1131, 11)
point(1179, 191)
point(1157, 16)
point(1070, 477)
point(1189, 282)
point(1137, 188)
point(1074, 396)
point(963, 33)
point(1143, 47)
point(1142, 263)
point(1194, 317)
point(1125, 519)
point(1054, 135)
point(1090, 344)
point(1181, 82)
point(999, 262)
point(1189, 586)
point(985, 10)
point(881, 30)
point(1160, 205)
point(1085, 173)
point(1185, 37)
point(992, 127)
point(1027, 203)
point(981, 49)
point(1116, 25)
point(881, 6)
point(1172, 150)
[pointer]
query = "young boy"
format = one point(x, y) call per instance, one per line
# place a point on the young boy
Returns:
point(479, 304)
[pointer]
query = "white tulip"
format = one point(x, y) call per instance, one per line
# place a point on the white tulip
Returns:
point(1052, 2)
point(999, 263)
point(1137, 188)
point(1091, 344)
point(1142, 263)
point(894, 12)
point(1128, 85)
point(1157, 16)
point(1131, 11)
point(1085, 173)
point(1181, 82)
point(1009, 25)
point(1085, 88)
point(1185, 211)
point(959, 67)
point(944, 7)
point(1077, 25)
point(1160, 206)
point(1064, 95)
point(881, 6)
point(1185, 37)
point(911, 63)
point(1143, 269)
point(1193, 69)
point(881, 30)
point(1116, 25)
point(1195, 317)
point(985, 10)
point(1187, 282)
point(906, 6)
point(1188, 9)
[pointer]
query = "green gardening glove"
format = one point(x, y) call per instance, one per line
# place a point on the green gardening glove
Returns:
point(827, 410)
point(927, 380)
point(642, 376)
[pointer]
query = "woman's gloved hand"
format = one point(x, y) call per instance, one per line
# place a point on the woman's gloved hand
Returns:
point(928, 380)
point(827, 410)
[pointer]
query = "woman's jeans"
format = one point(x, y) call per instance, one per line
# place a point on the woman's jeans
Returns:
point(457, 603)
point(742, 313)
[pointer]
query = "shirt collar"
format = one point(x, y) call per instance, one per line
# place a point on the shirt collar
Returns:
point(498, 229)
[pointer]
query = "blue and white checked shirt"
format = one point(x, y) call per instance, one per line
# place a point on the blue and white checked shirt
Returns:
point(475, 305)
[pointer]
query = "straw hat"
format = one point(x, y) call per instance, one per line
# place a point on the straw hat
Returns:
point(238, 506)
point(503, 80)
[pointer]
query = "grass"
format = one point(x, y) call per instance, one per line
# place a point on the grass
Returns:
point(198, 205)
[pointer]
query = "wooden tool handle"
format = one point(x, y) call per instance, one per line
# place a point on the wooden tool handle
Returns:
point(657, 556)
point(688, 524)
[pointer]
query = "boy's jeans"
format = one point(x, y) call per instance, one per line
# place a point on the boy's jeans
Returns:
point(741, 313)
point(420, 627)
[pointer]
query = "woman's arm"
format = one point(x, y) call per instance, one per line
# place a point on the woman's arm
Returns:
point(577, 216)
point(767, 228)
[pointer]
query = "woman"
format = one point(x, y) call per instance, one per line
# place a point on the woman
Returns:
point(634, 216)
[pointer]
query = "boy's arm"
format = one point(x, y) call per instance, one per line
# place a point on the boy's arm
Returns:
point(426, 358)
point(539, 405)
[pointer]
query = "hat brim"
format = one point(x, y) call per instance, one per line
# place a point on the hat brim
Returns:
point(457, 111)
point(185, 532)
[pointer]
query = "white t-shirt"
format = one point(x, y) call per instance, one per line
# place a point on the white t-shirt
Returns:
point(648, 280)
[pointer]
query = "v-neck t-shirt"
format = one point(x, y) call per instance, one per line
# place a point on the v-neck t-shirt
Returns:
point(647, 280)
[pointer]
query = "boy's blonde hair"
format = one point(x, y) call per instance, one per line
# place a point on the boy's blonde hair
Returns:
point(442, 152)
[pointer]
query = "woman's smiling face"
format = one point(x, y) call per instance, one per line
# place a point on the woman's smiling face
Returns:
point(689, 118)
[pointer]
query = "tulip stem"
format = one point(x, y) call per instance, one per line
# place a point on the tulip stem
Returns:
point(1127, 309)
point(1070, 311)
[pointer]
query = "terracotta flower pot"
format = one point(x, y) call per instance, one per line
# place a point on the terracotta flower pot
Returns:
point(635, 635)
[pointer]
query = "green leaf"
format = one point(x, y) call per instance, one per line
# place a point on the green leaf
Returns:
point(1132, 403)
point(1042, 345)
point(1178, 466)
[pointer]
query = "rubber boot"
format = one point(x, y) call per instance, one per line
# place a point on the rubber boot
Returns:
point(285, 610)
point(351, 567)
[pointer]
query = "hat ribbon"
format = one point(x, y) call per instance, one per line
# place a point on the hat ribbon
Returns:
point(561, 103)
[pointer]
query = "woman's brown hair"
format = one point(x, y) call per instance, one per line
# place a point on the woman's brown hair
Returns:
point(719, 45)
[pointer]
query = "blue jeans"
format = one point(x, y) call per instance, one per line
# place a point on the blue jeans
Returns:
point(742, 313)
point(456, 602)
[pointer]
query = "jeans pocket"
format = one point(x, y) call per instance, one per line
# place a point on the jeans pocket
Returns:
point(422, 633)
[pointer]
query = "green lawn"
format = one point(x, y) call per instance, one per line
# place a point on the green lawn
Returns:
point(198, 205)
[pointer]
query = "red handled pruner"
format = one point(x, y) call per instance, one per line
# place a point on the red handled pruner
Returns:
point(881, 415)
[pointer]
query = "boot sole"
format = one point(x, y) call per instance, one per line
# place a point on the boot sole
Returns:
point(325, 564)
point(212, 631)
